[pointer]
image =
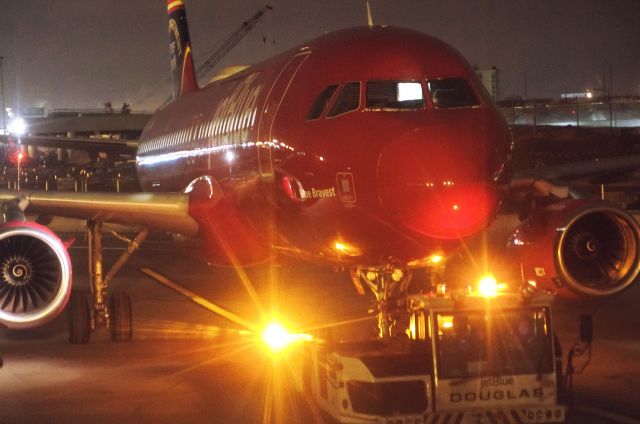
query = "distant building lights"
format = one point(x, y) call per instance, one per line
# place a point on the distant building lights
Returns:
point(17, 126)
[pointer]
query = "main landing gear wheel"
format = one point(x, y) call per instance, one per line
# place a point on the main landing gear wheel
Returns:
point(120, 317)
point(79, 314)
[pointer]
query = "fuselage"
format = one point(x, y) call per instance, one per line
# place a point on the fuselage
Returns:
point(363, 146)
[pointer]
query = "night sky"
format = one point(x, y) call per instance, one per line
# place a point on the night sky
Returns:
point(82, 53)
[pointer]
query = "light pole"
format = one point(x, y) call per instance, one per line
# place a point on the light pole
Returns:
point(20, 157)
point(606, 97)
point(4, 123)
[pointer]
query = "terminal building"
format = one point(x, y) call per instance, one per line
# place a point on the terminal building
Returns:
point(74, 169)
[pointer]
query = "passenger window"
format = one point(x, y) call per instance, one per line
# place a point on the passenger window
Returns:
point(321, 102)
point(394, 95)
point(451, 92)
point(348, 100)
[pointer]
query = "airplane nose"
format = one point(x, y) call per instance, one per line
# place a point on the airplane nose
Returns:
point(438, 182)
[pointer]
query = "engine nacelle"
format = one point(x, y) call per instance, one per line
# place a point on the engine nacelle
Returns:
point(35, 275)
point(579, 248)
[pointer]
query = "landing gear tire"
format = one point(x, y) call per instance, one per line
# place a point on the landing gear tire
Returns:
point(79, 314)
point(120, 317)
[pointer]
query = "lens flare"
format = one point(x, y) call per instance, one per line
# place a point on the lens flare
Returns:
point(488, 286)
point(276, 337)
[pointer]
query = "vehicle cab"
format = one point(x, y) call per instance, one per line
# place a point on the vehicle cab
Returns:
point(493, 357)
point(465, 359)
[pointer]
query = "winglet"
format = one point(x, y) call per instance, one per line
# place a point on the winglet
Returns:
point(369, 18)
point(182, 69)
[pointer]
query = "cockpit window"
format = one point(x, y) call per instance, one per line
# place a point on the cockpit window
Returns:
point(394, 95)
point(348, 100)
point(451, 92)
point(321, 102)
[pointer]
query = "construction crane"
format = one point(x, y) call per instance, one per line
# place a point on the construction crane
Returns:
point(231, 42)
point(203, 70)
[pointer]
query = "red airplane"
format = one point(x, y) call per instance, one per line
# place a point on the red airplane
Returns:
point(375, 149)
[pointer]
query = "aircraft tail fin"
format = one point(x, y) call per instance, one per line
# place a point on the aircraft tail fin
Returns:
point(182, 69)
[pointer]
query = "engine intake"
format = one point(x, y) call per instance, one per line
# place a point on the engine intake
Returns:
point(35, 275)
point(580, 248)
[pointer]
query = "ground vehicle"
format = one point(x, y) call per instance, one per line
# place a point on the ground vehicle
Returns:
point(469, 359)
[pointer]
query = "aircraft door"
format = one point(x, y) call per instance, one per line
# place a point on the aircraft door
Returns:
point(274, 98)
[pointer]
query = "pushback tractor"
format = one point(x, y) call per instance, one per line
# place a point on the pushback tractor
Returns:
point(463, 359)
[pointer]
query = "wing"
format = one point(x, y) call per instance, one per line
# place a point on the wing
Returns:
point(35, 268)
point(155, 211)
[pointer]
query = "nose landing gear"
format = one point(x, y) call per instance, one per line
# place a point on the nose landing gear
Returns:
point(388, 283)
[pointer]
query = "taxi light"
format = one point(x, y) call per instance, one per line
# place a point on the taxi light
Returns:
point(397, 275)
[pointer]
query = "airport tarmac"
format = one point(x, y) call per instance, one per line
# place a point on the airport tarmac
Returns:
point(188, 365)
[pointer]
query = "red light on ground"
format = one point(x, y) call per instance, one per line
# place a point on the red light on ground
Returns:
point(16, 154)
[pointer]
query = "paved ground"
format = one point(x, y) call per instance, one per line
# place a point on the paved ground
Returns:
point(187, 365)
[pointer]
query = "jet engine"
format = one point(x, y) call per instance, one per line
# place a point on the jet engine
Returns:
point(35, 275)
point(579, 248)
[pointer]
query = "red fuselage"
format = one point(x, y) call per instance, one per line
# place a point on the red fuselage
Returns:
point(362, 146)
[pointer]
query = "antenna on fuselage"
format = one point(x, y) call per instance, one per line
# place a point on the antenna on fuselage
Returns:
point(369, 18)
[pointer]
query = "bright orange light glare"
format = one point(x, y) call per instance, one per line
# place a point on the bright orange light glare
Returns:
point(276, 337)
point(435, 259)
point(346, 248)
point(488, 286)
